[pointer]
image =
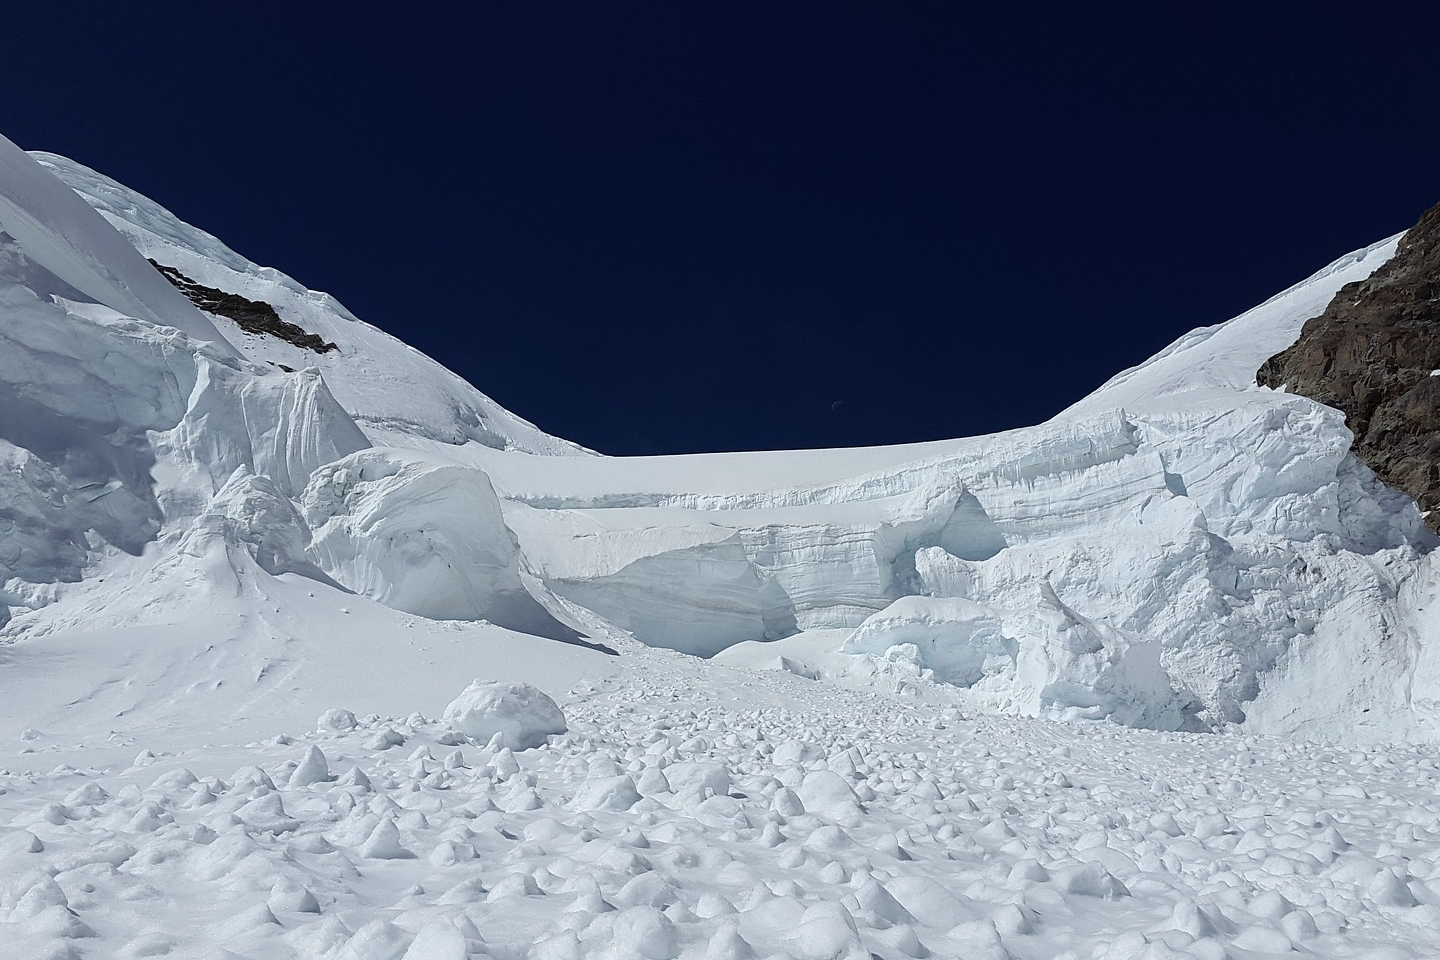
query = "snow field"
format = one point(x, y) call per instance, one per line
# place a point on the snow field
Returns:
point(696, 811)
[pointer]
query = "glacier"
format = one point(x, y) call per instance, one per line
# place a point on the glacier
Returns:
point(1180, 549)
point(327, 655)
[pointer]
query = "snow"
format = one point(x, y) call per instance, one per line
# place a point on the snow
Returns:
point(920, 827)
point(1155, 678)
point(1050, 660)
point(395, 393)
point(954, 638)
point(1227, 553)
point(513, 715)
point(81, 250)
point(1222, 359)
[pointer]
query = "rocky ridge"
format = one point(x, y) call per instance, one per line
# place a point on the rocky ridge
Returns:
point(1374, 354)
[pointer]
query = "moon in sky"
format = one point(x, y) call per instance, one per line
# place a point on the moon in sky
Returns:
point(835, 407)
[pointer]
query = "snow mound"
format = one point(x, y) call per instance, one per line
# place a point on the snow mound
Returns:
point(519, 714)
point(1048, 661)
point(1076, 668)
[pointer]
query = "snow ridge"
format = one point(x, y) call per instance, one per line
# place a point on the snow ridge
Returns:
point(79, 248)
point(398, 395)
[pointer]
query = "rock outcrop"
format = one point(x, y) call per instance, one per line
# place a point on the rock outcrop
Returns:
point(253, 316)
point(1374, 354)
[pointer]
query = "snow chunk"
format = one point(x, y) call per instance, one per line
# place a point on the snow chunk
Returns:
point(826, 793)
point(384, 843)
point(826, 932)
point(523, 716)
point(314, 768)
point(954, 637)
point(643, 931)
point(336, 720)
point(438, 941)
point(703, 776)
point(1073, 668)
point(421, 536)
point(607, 793)
point(377, 940)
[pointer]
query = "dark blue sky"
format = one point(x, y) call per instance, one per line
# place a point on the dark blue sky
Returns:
point(684, 227)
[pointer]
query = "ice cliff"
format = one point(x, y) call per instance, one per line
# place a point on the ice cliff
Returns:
point(1181, 549)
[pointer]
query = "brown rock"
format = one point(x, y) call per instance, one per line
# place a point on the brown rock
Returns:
point(1371, 354)
point(252, 316)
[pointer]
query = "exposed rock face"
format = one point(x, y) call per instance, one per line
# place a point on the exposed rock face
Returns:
point(1374, 354)
point(253, 316)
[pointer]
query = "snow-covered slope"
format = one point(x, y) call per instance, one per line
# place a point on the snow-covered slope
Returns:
point(1179, 549)
point(68, 242)
point(394, 392)
point(1222, 360)
point(207, 542)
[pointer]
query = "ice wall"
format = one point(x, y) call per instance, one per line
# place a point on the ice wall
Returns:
point(122, 411)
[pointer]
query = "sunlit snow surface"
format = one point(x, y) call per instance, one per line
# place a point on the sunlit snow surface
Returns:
point(393, 391)
point(211, 566)
point(698, 811)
